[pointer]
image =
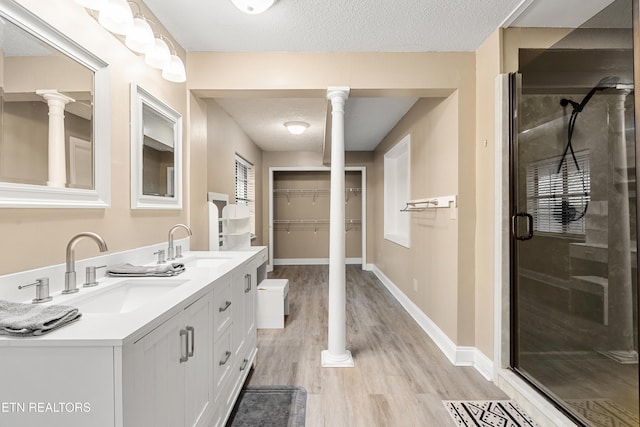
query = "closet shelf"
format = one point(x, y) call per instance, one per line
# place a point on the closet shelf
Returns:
point(315, 192)
point(312, 221)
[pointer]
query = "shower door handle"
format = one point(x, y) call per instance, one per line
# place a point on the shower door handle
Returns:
point(514, 226)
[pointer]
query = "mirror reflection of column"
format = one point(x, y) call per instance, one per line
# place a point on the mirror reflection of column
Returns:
point(57, 155)
point(619, 255)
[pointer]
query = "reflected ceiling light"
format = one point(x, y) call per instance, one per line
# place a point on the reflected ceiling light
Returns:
point(92, 4)
point(140, 37)
point(159, 55)
point(296, 128)
point(116, 16)
point(253, 7)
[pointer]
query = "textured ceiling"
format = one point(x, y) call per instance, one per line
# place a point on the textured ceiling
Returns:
point(334, 25)
point(348, 26)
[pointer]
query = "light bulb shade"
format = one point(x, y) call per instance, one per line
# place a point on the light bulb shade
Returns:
point(253, 7)
point(174, 70)
point(296, 128)
point(159, 55)
point(92, 4)
point(116, 17)
point(140, 37)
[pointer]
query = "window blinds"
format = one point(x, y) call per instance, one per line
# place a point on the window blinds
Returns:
point(245, 188)
point(558, 200)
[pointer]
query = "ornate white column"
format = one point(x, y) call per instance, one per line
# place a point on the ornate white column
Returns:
point(57, 160)
point(337, 355)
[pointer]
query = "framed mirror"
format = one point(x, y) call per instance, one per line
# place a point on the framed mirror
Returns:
point(54, 117)
point(156, 153)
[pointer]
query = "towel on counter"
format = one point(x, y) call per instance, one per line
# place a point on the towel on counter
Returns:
point(25, 320)
point(129, 270)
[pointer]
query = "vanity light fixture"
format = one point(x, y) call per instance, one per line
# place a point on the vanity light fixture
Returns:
point(296, 128)
point(159, 55)
point(140, 38)
point(253, 7)
point(173, 70)
point(117, 17)
point(92, 4)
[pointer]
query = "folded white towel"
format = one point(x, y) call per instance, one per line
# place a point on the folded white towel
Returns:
point(130, 270)
point(25, 320)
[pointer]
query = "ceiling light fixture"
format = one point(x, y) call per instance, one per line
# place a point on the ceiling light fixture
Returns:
point(296, 128)
point(117, 17)
point(253, 7)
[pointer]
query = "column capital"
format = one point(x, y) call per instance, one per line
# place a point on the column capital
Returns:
point(54, 95)
point(338, 92)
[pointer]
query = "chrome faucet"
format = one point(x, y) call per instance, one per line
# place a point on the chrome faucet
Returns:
point(170, 251)
point(70, 274)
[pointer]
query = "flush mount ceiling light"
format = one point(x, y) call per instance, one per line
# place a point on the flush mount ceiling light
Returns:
point(253, 7)
point(296, 128)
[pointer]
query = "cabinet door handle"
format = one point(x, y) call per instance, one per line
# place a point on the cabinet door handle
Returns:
point(227, 355)
point(244, 364)
point(226, 305)
point(193, 340)
point(184, 357)
point(247, 281)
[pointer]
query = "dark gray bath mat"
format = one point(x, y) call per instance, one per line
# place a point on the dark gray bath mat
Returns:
point(269, 406)
point(488, 413)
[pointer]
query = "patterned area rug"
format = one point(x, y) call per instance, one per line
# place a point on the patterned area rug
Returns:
point(603, 413)
point(488, 413)
point(269, 406)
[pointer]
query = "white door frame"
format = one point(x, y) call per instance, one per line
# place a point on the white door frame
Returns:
point(363, 172)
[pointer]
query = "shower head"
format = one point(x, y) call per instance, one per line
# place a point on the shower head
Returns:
point(607, 82)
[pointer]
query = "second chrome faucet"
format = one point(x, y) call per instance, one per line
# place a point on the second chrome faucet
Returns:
point(170, 249)
point(70, 274)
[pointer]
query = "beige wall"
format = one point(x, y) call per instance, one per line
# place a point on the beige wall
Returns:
point(225, 140)
point(433, 258)
point(488, 66)
point(37, 237)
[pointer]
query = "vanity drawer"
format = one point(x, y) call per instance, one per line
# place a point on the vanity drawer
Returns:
point(222, 361)
point(222, 306)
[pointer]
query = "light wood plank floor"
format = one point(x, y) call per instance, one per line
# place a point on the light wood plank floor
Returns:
point(400, 376)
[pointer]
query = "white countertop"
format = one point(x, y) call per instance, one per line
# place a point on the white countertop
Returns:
point(117, 329)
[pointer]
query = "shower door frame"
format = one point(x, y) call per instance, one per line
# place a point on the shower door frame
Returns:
point(505, 297)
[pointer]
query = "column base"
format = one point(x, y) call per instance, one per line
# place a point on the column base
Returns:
point(342, 361)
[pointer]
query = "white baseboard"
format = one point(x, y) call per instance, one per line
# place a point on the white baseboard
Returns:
point(367, 267)
point(457, 355)
point(311, 261)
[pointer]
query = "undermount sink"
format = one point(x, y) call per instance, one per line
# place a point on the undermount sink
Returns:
point(125, 296)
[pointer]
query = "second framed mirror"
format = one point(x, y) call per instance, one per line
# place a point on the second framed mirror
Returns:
point(156, 153)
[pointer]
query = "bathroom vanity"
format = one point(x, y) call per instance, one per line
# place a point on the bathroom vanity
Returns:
point(171, 351)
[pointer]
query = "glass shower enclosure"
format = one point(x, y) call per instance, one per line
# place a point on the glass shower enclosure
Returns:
point(574, 210)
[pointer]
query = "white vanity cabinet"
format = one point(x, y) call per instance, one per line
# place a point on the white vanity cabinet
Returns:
point(179, 361)
point(169, 381)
